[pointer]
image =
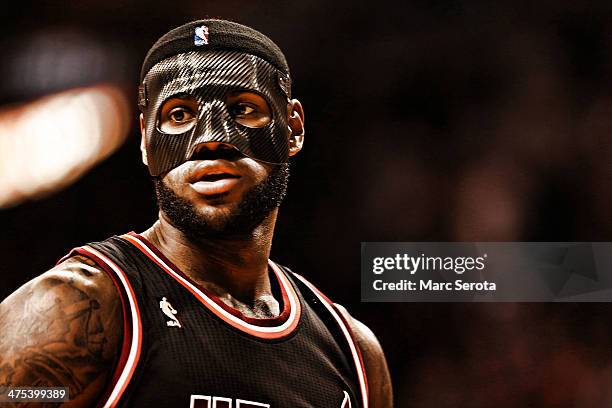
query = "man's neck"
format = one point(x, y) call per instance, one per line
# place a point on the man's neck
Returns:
point(234, 268)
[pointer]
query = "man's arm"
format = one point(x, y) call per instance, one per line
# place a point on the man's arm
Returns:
point(379, 380)
point(62, 329)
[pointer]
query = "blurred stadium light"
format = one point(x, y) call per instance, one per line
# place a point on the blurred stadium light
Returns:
point(65, 109)
point(48, 144)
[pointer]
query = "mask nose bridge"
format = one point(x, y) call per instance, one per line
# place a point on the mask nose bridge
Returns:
point(212, 122)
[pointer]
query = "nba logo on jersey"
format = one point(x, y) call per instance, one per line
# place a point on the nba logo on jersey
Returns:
point(201, 36)
point(170, 313)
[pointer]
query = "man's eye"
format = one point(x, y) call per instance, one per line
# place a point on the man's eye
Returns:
point(180, 115)
point(242, 109)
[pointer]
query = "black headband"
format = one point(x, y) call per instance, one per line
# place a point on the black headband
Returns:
point(221, 35)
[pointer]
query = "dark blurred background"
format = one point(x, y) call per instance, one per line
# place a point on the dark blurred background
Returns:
point(425, 121)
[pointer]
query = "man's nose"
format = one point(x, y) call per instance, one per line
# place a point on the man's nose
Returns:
point(213, 146)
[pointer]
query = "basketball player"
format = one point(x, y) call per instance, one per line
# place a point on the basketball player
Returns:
point(192, 312)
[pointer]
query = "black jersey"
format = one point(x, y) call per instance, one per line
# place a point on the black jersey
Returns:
point(184, 347)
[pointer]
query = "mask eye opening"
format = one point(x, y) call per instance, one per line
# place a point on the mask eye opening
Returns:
point(249, 108)
point(177, 114)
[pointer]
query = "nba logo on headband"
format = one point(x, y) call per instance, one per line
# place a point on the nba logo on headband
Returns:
point(201, 35)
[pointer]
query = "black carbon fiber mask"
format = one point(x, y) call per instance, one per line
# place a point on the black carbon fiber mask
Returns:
point(208, 76)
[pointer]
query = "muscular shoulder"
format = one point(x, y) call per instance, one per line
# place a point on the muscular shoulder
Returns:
point(379, 380)
point(62, 328)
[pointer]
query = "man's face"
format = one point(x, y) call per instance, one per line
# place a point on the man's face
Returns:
point(209, 81)
point(219, 191)
point(218, 128)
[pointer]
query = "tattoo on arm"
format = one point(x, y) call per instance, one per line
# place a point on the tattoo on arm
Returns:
point(62, 329)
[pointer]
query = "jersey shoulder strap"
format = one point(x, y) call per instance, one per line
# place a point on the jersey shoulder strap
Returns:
point(336, 323)
point(114, 257)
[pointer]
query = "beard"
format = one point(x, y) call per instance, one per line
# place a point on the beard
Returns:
point(256, 204)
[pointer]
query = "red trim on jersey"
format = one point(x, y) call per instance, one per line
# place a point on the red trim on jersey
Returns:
point(268, 328)
point(359, 365)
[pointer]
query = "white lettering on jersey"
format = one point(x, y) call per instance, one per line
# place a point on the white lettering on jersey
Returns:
point(207, 401)
point(346, 403)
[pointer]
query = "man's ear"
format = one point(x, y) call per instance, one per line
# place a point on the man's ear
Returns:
point(143, 141)
point(295, 113)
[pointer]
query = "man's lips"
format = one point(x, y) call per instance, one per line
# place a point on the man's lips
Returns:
point(214, 179)
point(215, 187)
